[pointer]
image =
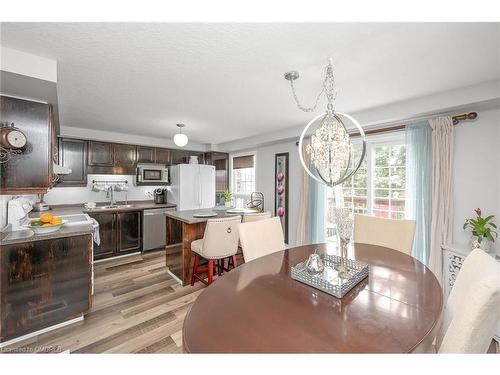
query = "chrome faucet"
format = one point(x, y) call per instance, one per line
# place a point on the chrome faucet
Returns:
point(111, 195)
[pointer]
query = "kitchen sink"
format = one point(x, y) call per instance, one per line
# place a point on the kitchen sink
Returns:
point(115, 207)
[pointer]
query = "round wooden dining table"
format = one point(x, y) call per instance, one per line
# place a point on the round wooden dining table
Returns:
point(259, 308)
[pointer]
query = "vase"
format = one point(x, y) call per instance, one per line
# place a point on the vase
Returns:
point(482, 243)
point(227, 203)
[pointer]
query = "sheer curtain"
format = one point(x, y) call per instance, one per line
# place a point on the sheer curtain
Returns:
point(419, 186)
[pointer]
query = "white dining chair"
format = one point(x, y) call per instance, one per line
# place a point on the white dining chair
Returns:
point(220, 241)
point(256, 217)
point(473, 307)
point(391, 233)
point(262, 237)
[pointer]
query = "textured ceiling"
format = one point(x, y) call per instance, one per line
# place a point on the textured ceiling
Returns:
point(225, 81)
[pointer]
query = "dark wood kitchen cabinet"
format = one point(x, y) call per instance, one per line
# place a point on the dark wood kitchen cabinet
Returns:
point(73, 154)
point(30, 171)
point(221, 162)
point(120, 232)
point(100, 154)
point(145, 154)
point(129, 231)
point(163, 156)
point(44, 283)
point(125, 155)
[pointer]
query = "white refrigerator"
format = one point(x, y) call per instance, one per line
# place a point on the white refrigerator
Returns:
point(192, 186)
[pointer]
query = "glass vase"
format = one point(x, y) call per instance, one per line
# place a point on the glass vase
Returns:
point(477, 242)
point(344, 222)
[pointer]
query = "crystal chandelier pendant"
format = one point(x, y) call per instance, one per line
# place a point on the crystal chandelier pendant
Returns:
point(330, 149)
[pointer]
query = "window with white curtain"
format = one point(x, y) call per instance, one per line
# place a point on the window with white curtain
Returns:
point(379, 186)
point(242, 178)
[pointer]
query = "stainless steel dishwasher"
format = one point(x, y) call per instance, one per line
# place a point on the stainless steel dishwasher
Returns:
point(154, 228)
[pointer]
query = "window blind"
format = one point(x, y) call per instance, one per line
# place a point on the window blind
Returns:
point(241, 162)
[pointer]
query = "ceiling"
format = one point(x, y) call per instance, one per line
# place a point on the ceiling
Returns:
point(225, 81)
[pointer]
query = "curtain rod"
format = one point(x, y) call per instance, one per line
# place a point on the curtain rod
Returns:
point(468, 116)
point(456, 119)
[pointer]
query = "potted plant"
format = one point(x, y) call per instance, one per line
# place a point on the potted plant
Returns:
point(228, 197)
point(482, 229)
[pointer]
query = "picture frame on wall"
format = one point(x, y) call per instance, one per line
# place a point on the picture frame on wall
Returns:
point(281, 185)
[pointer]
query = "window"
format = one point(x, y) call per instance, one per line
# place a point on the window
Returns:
point(379, 186)
point(242, 179)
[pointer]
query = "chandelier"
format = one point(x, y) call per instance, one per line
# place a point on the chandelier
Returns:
point(330, 148)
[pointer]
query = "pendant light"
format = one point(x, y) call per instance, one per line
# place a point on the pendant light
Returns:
point(180, 139)
point(330, 148)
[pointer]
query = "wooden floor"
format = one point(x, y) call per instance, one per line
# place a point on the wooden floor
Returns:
point(138, 308)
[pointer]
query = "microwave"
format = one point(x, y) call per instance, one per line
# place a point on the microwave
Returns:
point(152, 173)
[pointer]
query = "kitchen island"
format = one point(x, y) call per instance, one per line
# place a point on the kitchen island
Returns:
point(46, 280)
point(182, 229)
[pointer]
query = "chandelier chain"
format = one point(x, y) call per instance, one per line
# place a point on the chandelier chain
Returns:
point(328, 88)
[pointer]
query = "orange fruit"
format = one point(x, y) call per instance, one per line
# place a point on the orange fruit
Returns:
point(56, 221)
point(46, 218)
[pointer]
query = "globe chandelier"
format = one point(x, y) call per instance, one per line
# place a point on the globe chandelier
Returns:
point(330, 148)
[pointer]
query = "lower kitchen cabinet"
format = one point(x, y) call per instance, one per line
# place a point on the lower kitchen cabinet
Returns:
point(107, 233)
point(44, 283)
point(129, 231)
point(120, 233)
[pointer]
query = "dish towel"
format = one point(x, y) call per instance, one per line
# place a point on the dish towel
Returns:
point(95, 225)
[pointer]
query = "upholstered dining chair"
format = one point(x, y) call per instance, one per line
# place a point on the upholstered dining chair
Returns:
point(391, 233)
point(256, 217)
point(473, 307)
point(220, 241)
point(262, 237)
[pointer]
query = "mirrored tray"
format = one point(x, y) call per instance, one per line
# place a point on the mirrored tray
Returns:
point(329, 280)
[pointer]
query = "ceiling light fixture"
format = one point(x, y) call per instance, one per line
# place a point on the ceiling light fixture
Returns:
point(180, 139)
point(330, 148)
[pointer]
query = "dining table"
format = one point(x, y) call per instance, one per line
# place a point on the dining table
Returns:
point(258, 308)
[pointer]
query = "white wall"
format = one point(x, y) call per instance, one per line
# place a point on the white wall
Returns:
point(476, 170)
point(264, 180)
point(73, 195)
point(26, 64)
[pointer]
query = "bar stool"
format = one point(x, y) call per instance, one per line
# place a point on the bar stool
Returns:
point(220, 241)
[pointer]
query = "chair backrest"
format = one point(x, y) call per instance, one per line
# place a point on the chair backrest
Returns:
point(256, 217)
point(473, 307)
point(221, 237)
point(259, 238)
point(391, 233)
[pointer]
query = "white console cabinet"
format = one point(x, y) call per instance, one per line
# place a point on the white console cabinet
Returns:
point(453, 258)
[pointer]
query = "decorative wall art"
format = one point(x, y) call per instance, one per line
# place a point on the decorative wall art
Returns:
point(281, 191)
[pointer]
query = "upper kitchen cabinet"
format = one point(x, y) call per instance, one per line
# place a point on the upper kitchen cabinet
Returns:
point(73, 154)
point(125, 155)
point(221, 162)
point(28, 168)
point(145, 154)
point(100, 154)
point(163, 156)
point(111, 158)
point(182, 156)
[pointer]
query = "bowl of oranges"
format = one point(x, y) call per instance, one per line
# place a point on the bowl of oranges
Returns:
point(46, 223)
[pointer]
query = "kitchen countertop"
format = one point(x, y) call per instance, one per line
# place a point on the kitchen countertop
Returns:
point(70, 209)
point(188, 218)
point(22, 236)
